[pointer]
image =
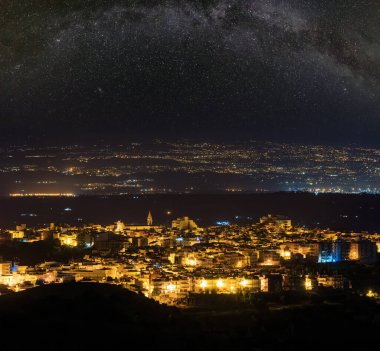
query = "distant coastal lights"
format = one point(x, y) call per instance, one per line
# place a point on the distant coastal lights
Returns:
point(42, 195)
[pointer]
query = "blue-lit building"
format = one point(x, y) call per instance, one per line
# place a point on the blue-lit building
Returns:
point(336, 251)
point(330, 251)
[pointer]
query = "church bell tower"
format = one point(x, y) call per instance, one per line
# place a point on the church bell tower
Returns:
point(149, 220)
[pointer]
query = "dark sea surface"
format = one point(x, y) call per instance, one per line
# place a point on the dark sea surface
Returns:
point(335, 211)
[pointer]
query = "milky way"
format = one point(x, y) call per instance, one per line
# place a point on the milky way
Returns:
point(294, 69)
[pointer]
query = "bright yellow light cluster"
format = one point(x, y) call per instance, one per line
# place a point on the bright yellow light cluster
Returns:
point(244, 283)
point(192, 262)
point(203, 284)
point(69, 241)
point(220, 283)
point(370, 293)
point(171, 287)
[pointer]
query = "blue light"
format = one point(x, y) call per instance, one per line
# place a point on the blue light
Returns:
point(179, 239)
point(326, 259)
point(223, 223)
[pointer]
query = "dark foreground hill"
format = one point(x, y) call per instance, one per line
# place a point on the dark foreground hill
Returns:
point(85, 315)
point(89, 314)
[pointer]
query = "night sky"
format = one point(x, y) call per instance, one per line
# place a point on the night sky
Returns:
point(296, 70)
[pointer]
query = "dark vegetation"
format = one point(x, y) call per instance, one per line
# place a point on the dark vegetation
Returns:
point(33, 253)
point(87, 315)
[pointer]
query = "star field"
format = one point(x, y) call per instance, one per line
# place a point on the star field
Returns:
point(280, 69)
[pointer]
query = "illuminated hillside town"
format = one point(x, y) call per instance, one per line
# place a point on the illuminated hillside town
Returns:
point(175, 264)
point(198, 174)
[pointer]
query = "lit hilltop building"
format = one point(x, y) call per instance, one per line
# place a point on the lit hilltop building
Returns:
point(184, 223)
point(121, 228)
point(276, 222)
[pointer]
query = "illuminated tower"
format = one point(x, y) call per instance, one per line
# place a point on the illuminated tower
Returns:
point(149, 220)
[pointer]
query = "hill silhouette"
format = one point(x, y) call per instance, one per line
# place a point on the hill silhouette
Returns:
point(88, 315)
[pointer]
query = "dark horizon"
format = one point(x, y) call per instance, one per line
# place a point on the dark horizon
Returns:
point(346, 212)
